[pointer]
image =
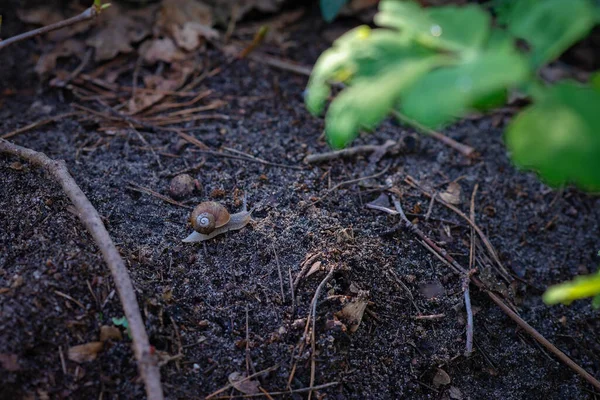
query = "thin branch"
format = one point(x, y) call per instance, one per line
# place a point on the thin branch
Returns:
point(147, 363)
point(229, 385)
point(465, 150)
point(88, 14)
point(38, 123)
point(349, 152)
point(313, 356)
point(469, 320)
point(334, 188)
point(283, 392)
point(507, 310)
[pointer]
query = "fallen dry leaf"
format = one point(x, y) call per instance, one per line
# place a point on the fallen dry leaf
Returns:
point(156, 50)
point(85, 352)
point(187, 22)
point(452, 193)
point(441, 378)
point(47, 62)
point(314, 268)
point(160, 86)
point(108, 332)
point(117, 31)
point(353, 312)
point(247, 386)
point(189, 37)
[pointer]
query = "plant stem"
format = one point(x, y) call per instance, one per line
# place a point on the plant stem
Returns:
point(89, 13)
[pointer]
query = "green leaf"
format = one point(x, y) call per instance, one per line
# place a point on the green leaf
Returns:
point(559, 136)
point(550, 26)
point(124, 323)
point(450, 28)
point(331, 8)
point(448, 93)
point(368, 101)
point(579, 288)
point(360, 53)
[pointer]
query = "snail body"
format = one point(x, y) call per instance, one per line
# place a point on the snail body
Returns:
point(210, 219)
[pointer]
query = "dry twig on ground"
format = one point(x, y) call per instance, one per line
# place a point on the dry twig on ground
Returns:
point(89, 13)
point(147, 363)
point(451, 262)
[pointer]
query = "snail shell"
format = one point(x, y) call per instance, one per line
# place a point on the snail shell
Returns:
point(208, 216)
point(210, 219)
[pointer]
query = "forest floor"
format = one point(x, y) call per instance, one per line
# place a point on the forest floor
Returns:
point(225, 307)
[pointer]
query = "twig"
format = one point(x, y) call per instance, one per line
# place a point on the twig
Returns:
point(507, 310)
point(412, 228)
point(89, 13)
point(147, 363)
point(38, 123)
point(229, 385)
point(312, 335)
point(281, 64)
point(186, 170)
point(465, 150)
point(284, 392)
point(429, 317)
point(260, 160)
point(249, 158)
point(541, 339)
point(414, 183)
point(469, 320)
point(66, 296)
point(468, 309)
point(141, 189)
point(334, 188)
point(349, 152)
point(280, 275)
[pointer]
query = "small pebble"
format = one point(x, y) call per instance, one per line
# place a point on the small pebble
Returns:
point(183, 186)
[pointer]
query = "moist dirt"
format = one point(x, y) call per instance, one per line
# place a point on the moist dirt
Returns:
point(226, 306)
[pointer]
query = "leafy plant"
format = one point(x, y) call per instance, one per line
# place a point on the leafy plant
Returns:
point(579, 288)
point(435, 65)
point(124, 323)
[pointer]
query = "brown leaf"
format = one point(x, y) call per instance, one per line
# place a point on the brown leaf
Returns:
point(108, 332)
point(353, 312)
point(314, 268)
point(160, 50)
point(247, 386)
point(441, 378)
point(143, 99)
point(452, 193)
point(116, 33)
point(189, 36)
point(85, 352)
point(47, 62)
point(9, 362)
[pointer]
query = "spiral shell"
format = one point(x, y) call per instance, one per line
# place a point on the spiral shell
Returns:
point(208, 216)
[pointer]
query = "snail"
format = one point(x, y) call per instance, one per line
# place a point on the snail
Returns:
point(210, 219)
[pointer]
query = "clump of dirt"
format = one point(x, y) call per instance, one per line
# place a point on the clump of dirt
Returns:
point(226, 307)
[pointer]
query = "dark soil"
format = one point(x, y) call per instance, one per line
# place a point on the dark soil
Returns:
point(202, 302)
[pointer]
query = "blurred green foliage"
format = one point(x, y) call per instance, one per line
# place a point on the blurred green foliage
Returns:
point(435, 65)
point(579, 288)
